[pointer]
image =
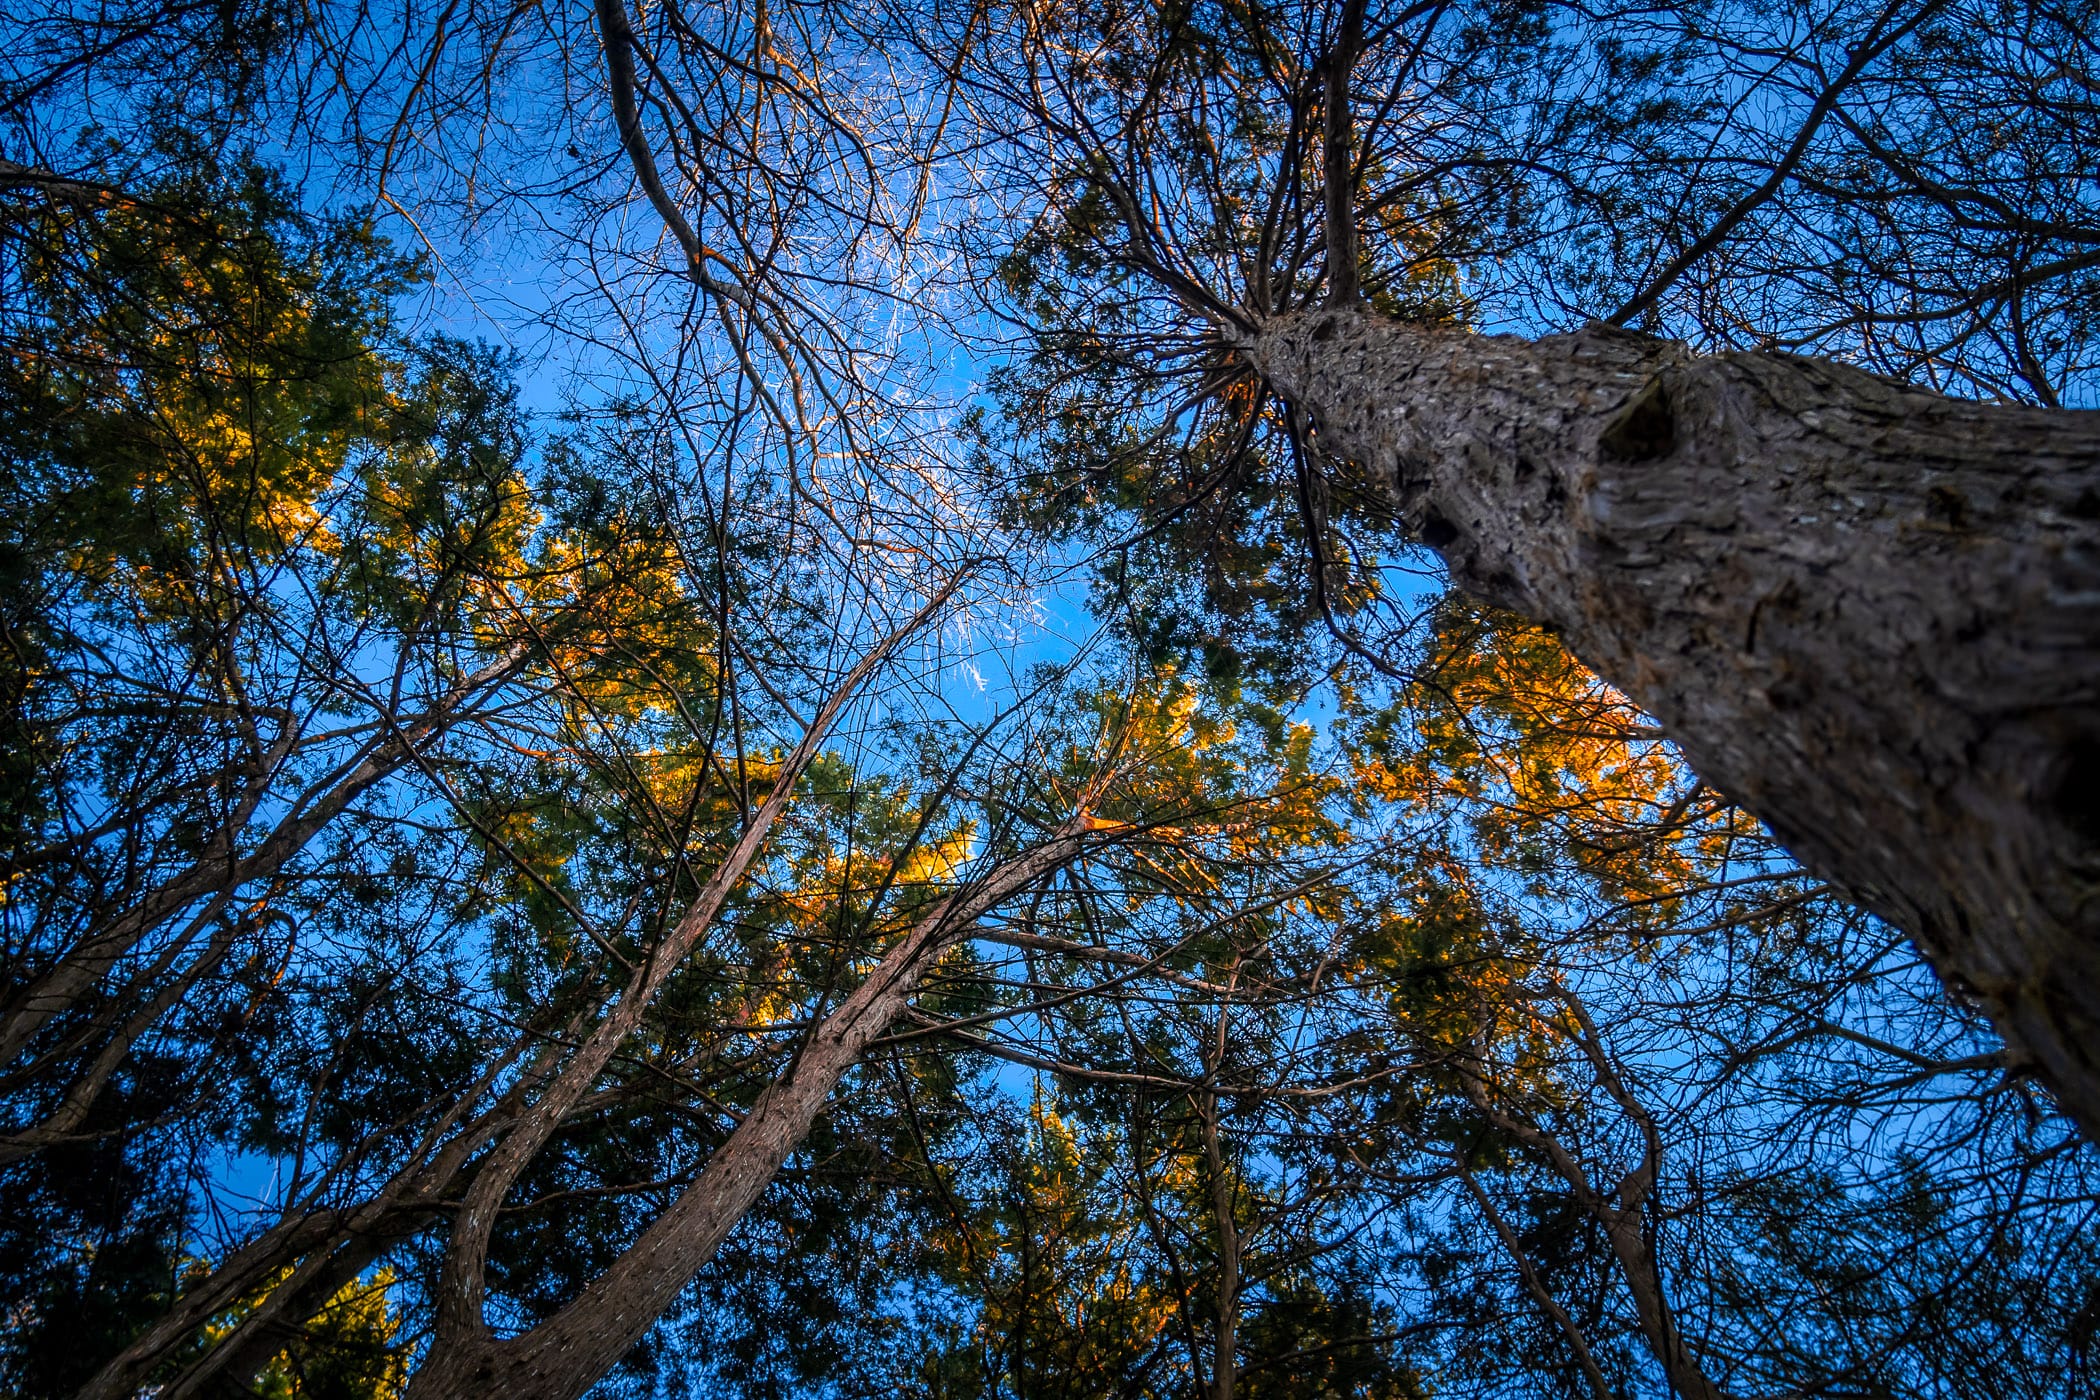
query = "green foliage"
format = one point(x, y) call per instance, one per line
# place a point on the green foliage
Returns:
point(1310, 1343)
point(363, 740)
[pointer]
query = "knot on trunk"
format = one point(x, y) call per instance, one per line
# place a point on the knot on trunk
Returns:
point(1645, 429)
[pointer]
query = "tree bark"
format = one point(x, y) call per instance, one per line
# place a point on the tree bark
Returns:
point(567, 1354)
point(1868, 613)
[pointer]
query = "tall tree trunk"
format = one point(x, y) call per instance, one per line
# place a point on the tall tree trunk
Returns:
point(1224, 1196)
point(566, 1355)
point(1868, 613)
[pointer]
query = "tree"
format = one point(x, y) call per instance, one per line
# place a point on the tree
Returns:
point(485, 939)
point(1532, 1098)
point(547, 855)
point(1862, 608)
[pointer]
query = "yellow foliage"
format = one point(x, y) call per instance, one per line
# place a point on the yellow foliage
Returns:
point(349, 1350)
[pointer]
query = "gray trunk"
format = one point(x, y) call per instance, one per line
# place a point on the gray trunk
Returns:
point(1868, 613)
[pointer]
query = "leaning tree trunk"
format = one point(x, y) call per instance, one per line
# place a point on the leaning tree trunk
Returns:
point(1869, 614)
point(567, 1354)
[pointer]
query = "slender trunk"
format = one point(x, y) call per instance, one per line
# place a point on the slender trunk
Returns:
point(87, 1087)
point(1868, 613)
point(1223, 1194)
point(1623, 1227)
point(1629, 1243)
point(218, 876)
point(277, 1322)
point(1225, 1346)
point(399, 1208)
point(1527, 1272)
point(1629, 1226)
point(1337, 157)
point(564, 1356)
point(461, 1280)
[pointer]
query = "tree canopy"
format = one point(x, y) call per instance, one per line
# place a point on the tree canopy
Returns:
point(683, 715)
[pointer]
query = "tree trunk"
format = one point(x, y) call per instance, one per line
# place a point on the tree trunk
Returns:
point(1868, 613)
point(1225, 1343)
point(567, 1354)
point(1528, 1274)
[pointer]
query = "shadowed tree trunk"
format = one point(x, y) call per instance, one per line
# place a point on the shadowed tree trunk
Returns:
point(1868, 613)
point(566, 1355)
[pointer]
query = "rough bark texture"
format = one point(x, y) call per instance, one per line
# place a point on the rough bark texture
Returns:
point(1868, 613)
